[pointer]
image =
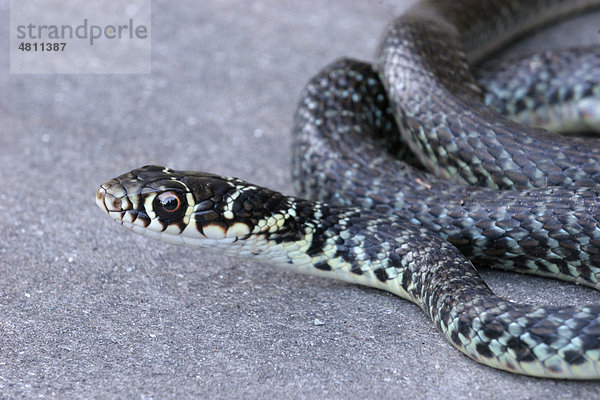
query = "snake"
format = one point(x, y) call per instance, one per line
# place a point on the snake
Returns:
point(460, 184)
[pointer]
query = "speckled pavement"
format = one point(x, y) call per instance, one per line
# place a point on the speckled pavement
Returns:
point(90, 310)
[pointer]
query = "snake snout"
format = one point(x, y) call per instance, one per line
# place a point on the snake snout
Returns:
point(112, 198)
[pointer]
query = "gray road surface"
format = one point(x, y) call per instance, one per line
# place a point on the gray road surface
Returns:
point(90, 310)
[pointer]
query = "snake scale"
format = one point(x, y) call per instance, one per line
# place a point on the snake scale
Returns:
point(409, 226)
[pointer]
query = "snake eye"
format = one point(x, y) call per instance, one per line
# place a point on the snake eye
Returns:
point(170, 205)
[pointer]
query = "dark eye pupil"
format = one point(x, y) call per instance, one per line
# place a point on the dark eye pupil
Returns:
point(170, 203)
point(170, 206)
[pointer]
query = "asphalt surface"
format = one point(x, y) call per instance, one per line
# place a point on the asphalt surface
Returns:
point(90, 310)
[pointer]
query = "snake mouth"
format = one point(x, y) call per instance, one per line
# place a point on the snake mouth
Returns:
point(112, 198)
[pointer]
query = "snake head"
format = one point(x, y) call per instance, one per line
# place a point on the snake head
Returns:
point(174, 206)
point(188, 208)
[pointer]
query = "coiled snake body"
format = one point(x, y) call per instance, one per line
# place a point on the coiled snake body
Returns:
point(389, 225)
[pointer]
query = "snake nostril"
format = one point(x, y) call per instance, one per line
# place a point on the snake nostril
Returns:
point(117, 203)
point(100, 196)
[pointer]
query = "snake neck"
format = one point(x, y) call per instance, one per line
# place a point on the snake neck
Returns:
point(363, 247)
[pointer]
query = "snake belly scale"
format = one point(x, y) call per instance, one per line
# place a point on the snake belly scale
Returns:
point(396, 228)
